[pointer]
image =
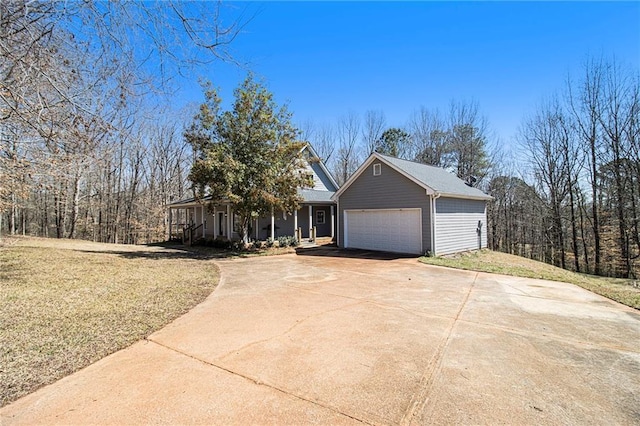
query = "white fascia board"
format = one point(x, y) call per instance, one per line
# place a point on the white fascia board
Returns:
point(467, 197)
point(367, 163)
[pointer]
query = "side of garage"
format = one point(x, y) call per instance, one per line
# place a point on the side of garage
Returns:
point(460, 225)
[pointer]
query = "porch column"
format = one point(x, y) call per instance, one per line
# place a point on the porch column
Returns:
point(170, 224)
point(273, 229)
point(332, 221)
point(310, 220)
point(228, 230)
point(203, 225)
point(295, 222)
point(215, 222)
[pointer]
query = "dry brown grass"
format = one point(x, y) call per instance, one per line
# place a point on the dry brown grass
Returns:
point(621, 290)
point(66, 304)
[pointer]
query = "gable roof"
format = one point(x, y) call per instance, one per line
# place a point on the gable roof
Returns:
point(324, 169)
point(435, 180)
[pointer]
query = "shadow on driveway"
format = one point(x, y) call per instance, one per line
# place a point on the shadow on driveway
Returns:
point(352, 253)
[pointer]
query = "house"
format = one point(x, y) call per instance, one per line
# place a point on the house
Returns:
point(401, 206)
point(208, 218)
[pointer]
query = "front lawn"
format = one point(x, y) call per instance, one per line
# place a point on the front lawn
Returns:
point(67, 304)
point(621, 290)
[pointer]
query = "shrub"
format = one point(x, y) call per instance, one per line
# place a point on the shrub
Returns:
point(221, 244)
point(287, 241)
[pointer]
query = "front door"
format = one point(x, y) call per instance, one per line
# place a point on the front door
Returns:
point(221, 223)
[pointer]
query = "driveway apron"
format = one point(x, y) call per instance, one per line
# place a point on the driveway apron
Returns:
point(328, 339)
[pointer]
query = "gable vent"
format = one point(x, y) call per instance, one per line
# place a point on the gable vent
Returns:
point(377, 169)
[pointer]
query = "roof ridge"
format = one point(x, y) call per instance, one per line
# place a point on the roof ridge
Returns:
point(413, 162)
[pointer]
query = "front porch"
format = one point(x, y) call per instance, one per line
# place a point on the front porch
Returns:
point(190, 220)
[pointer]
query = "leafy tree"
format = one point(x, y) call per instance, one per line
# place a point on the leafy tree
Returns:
point(394, 142)
point(249, 156)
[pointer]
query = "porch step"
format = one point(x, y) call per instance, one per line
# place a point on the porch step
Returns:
point(320, 242)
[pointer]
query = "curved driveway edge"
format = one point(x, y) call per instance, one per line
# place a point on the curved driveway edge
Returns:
point(304, 339)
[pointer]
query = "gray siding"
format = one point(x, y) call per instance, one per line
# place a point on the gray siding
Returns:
point(320, 179)
point(390, 190)
point(456, 225)
point(285, 226)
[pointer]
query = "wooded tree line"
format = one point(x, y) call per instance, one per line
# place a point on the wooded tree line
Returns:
point(577, 205)
point(85, 149)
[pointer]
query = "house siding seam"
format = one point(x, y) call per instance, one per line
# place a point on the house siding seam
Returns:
point(456, 224)
point(390, 190)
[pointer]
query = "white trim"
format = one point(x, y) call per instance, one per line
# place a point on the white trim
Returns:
point(430, 191)
point(228, 230)
point(344, 231)
point(170, 224)
point(432, 204)
point(215, 222)
point(273, 229)
point(377, 169)
point(465, 197)
point(332, 221)
point(365, 165)
point(338, 216)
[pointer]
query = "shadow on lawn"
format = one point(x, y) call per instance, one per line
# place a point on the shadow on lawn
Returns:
point(173, 251)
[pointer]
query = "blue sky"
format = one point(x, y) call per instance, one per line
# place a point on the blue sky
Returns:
point(326, 59)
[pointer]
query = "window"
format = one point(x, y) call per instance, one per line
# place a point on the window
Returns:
point(377, 169)
point(320, 217)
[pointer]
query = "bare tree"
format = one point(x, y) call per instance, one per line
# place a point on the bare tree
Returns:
point(348, 153)
point(430, 138)
point(467, 142)
point(543, 138)
point(374, 126)
point(584, 105)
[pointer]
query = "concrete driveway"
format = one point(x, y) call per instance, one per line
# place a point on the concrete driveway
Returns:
point(316, 339)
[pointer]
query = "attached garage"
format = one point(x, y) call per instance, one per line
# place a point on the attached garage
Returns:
point(392, 230)
point(401, 206)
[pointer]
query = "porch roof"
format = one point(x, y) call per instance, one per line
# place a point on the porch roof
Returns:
point(309, 196)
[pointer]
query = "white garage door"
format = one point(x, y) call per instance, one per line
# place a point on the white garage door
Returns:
point(395, 230)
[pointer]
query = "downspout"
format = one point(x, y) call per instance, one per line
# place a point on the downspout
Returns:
point(434, 197)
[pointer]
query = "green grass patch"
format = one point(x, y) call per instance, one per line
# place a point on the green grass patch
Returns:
point(66, 304)
point(621, 290)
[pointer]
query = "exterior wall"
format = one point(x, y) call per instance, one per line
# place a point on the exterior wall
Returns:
point(322, 230)
point(285, 227)
point(320, 179)
point(457, 223)
point(390, 190)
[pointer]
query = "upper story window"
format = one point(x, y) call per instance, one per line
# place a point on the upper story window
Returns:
point(377, 169)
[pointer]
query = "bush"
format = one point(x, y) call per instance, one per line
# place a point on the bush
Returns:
point(287, 241)
point(221, 244)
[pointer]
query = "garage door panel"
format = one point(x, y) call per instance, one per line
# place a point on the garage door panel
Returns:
point(394, 230)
